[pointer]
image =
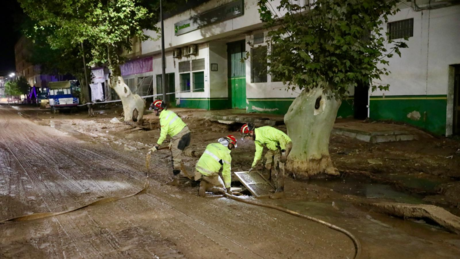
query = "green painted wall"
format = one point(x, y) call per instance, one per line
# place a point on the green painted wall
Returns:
point(205, 103)
point(432, 109)
point(281, 106)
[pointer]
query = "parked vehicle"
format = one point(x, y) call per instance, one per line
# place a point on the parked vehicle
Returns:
point(63, 94)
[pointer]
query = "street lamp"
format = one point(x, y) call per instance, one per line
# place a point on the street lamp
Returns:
point(12, 75)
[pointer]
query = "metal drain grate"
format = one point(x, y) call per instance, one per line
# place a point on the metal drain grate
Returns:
point(255, 182)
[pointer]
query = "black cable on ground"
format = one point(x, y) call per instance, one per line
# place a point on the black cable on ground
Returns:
point(332, 226)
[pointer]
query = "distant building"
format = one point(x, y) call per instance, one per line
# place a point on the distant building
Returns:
point(2, 86)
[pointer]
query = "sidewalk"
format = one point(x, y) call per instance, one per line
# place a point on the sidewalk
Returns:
point(374, 132)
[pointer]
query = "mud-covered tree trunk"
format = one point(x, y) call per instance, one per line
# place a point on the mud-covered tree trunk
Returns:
point(133, 104)
point(309, 122)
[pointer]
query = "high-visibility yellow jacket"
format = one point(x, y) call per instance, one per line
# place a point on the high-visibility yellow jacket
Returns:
point(272, 138)
point(209, 164)
point(170, 124)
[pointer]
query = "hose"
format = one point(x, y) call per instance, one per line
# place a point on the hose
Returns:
point(355, 241)
point(52, 214)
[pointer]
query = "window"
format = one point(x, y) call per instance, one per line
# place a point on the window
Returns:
point(170, 83)
point(198, 82)
point(198, 64)
point(144, 85)
point(259, 38)
point(185, 82)
point(401, 29)
point(275, 51)
point(184, 66)
point(259, 64)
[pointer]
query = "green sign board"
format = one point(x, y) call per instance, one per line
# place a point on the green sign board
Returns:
point(219, 14)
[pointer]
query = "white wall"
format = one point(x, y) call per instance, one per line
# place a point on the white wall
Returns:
point(264, 90)
point(423, 68)
point(219, 30)
point(172, 66)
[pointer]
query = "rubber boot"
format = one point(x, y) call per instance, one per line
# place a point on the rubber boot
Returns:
point(202, 190)
point(279, 194)
point(175, 181)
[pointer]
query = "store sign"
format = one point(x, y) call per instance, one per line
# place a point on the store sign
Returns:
point(219, 14)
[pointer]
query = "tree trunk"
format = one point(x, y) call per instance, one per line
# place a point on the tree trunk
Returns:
point(133, 104)
point(309, 122)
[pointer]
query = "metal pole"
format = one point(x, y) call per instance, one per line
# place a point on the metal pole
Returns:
point(163, 61)
point(84, 69)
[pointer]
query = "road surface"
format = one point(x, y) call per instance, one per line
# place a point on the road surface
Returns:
point(45, 170)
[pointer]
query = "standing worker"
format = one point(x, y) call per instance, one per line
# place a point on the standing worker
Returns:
point(215, 157)
point(278, 144)
point(173, 126)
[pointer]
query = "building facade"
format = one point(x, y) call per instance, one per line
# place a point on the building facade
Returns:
point(207, 65)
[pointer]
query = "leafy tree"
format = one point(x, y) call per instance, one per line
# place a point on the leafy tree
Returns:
point(17, 87)
point(102, 28)
point(324, 47)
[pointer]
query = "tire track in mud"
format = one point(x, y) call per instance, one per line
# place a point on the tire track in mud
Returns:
point(63, 189)
point(162, 222)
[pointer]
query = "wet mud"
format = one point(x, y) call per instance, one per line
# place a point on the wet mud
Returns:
point(57, 161)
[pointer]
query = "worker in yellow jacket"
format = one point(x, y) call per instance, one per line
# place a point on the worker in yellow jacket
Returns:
point(172, 125)
point(278, 144)
point(215, 157)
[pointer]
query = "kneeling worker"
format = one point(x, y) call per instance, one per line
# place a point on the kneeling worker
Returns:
point(172, 125)
point(278, 144)
point(216, 156)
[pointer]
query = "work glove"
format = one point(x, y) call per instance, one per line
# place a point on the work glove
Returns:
point(154, 149)
point(283, 158)
point(170, 145)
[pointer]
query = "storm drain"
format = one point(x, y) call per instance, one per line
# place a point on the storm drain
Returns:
point(255, 183)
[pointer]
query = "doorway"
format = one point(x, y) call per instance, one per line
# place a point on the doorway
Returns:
point(361, 101)
point(456, 113)
point(236, 74)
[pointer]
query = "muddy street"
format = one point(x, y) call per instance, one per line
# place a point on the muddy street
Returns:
point(53, 163)
point(43, 170)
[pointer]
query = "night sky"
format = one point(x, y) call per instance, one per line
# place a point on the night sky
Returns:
point(10, 16)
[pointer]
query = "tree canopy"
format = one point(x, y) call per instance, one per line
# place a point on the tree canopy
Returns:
point(105, 27)
point(333, 44)
point(17, 87)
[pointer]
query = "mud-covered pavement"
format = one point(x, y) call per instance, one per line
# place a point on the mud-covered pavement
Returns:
point(55, 162)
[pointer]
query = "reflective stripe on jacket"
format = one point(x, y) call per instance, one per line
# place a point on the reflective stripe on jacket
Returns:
point(171, 124)
point(272, 138)
point(209, 165)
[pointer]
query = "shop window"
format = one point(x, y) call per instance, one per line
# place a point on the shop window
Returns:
point(198, 64)
point(185, 82)
point(198, 82)
point(401, 29)
point(259, 64)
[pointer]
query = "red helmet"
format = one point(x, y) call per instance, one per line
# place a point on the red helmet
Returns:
point(158, 105)
point(231, 139)
point(246, 129)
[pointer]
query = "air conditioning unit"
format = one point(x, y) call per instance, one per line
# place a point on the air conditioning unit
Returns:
point(185, 51)
point(193, 49)
point(177, 53)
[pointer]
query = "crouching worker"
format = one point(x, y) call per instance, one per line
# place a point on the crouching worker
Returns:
point(216, 156)
point(173, 126)
point(278, 144)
